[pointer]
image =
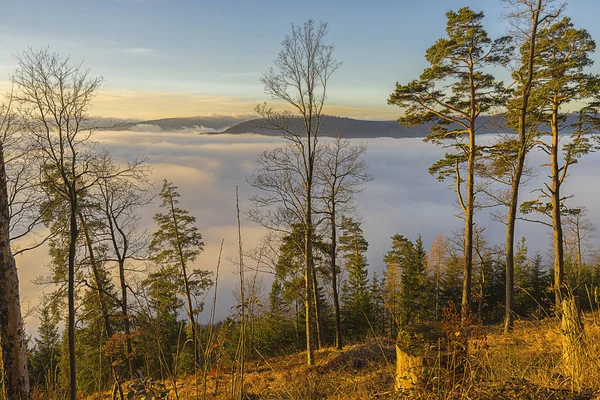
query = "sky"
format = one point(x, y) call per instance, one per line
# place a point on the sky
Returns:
point(175, 58)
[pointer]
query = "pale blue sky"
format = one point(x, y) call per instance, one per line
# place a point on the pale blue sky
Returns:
point(219, 49)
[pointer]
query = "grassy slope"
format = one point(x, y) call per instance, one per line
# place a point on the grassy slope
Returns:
point(526, 364)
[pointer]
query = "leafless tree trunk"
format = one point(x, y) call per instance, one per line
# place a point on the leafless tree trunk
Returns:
point(238, 384)
point(119, 199)
point(12, 334)
point(53, 96)
point(317, 305)
point(101, 299)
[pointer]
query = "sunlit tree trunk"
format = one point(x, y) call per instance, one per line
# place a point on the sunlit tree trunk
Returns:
point(12, 335)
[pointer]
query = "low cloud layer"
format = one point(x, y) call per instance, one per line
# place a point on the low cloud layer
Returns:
point(403, 198)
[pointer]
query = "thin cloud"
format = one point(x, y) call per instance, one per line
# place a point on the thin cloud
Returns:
point(141, 51)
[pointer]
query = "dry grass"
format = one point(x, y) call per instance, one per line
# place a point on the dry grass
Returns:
point(526, 364)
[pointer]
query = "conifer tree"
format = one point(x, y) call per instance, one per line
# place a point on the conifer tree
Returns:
point(377, 304)
point(413, 287)
point(175, 245)
point(45, 357)
point(522, 277)
point(392, 275)
point(437, 259)
point(564, 55)
point(508, 167)
point(356, 297)
point(406, 280)
point(460, 61)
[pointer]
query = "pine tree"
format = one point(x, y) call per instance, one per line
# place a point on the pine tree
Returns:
point(539, 282)
point(392, 290)
point(565, 54)
point(414, 282)
point(437, 260)
point(452, 280)
point(451, 94)
point(406, 291)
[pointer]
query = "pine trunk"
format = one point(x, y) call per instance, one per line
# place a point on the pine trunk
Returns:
point(556, 213)
point(516, 179)
point(468, 271)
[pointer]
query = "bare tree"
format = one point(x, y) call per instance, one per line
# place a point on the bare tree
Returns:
point(303, 69)
point(53, 96)
point(341, 174)
point(119, 200)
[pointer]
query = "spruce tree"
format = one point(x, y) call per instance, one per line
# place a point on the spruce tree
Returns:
point(175, 245)
point(356, 301)
point(45, 357)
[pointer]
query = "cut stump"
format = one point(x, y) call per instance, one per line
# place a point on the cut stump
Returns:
point(422, 354)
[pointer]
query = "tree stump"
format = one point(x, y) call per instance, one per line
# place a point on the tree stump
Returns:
point(424, 352)
point(573, 336)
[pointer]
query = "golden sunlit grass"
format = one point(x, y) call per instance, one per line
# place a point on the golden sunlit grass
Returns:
point(526, 364)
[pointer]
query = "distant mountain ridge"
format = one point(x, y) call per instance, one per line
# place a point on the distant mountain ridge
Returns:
point(216, 123)
point(364, 129)
point(330, 126)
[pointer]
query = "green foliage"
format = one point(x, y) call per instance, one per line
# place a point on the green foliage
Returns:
point(356, 300)
point(45, 356)
point(412, 297)
point(177, 240)
point(565, 87)
point(175, 245)
point(454, 90)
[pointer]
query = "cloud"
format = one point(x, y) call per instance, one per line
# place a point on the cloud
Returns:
point(403, 199)
point(154, 104)
point(141, 51)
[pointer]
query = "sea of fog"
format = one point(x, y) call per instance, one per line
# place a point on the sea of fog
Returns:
point(403, 198)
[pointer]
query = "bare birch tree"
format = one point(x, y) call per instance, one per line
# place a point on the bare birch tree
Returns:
point(119, 200)
point(53, 96)
point(341, 174)
point(300, 77)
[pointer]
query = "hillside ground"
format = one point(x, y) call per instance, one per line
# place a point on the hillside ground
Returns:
point(526, 364)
